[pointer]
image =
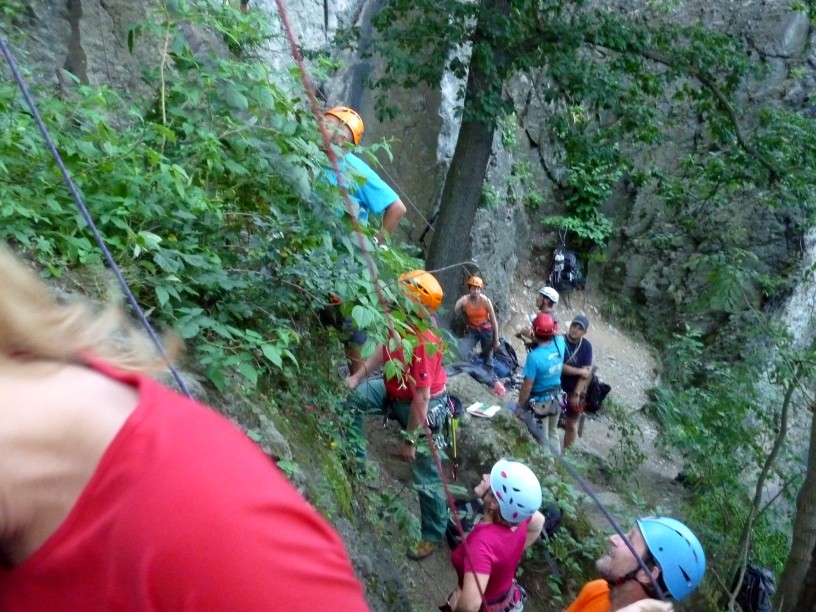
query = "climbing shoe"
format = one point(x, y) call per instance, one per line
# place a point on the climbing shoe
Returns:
point(422, 550)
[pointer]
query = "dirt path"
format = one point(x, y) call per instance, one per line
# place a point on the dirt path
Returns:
point(628, 365)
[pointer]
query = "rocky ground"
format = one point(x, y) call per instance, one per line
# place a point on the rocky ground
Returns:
point(629, 365)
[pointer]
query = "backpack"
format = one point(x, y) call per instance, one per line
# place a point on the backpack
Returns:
point(565, 272)
point(505, 360)
point(596, 392)
point(570, 263)
point(758, 587)
point(552, 516)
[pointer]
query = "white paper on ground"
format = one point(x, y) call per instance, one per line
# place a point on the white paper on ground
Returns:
point(481, 410)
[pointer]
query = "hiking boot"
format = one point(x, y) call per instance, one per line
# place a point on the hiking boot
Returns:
point(422, 550)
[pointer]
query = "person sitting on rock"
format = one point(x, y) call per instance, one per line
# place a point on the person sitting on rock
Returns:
point(540, 397)
point(575, 375)
point(669, 550)
point(487, 560)
point(546, 301)
point(482, 328)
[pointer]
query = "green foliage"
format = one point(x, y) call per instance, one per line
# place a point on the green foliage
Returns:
point(683, 358)
point(628, 455)
point(210, 197)
point(723, 426)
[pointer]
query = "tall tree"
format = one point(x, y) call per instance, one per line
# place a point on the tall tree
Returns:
point(450, 242)
point(797, 585)
point(598, 62)
point(613, 77)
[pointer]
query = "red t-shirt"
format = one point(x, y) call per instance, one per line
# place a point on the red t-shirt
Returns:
point(494, 550)
point(425, 370)
point(184, 512)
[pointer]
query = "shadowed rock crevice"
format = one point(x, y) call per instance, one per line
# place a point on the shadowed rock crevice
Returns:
point(76, 62)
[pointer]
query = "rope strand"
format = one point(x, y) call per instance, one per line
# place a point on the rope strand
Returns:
point(86, 215)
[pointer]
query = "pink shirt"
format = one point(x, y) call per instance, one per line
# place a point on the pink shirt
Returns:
point(494, 550)
point(184, 512)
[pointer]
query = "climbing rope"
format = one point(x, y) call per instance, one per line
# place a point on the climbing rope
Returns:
point(372, 267)
point(384, 305)
point(86, 215)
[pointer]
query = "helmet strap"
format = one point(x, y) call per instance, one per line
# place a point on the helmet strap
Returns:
point(621, 580)
point(632, 577)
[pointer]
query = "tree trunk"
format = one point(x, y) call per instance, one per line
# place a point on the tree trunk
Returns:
point(799, 576)
point(807, 596)
point(450, 243)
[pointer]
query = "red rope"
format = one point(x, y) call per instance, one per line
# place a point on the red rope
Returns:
point(372, 267)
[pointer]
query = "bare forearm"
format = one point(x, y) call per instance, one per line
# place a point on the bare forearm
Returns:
point(393, 215)
point(369, 365)
point(419, 408)
point(573, 371)
point(524, 392)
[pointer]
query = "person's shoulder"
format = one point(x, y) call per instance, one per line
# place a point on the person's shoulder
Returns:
point(591, 597)
point(358, 164)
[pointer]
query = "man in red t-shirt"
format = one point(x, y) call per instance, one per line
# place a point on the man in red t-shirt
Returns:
point(412, 391)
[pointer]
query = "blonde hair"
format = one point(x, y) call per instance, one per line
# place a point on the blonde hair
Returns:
point(34, 324)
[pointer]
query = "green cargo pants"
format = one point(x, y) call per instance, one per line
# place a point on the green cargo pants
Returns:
point(369, 398)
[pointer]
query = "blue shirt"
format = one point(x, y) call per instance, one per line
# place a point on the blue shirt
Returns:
point(544, 365)
point(365, 187)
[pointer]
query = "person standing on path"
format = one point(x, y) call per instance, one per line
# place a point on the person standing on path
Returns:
point(540, 397)
point(482, 327)
point(546, 301)
point(575, 375)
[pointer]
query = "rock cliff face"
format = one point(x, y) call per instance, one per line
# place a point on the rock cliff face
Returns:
point(646, 262)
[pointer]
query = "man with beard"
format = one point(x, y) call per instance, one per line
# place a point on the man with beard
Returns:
point(575, 375)
point(670, 551)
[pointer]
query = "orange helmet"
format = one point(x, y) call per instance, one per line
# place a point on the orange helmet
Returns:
point(475, 281)
point(351, 119)
point(544, 326)
point(422, 287)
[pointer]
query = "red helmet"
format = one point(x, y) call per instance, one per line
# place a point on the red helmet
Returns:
point(544, 326)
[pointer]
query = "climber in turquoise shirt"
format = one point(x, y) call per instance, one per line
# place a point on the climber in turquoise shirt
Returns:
point(366, 189)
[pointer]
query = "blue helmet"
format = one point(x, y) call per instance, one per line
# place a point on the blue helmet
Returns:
point(677, 551)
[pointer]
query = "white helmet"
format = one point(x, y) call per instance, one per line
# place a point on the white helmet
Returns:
point(516, 489)
point(550, 293)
